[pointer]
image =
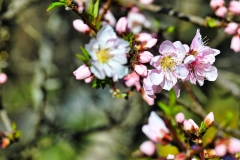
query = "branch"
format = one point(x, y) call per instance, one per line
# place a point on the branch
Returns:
point(105, 7)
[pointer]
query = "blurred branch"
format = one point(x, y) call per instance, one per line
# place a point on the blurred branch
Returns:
point(105, 9)
point(169, 11)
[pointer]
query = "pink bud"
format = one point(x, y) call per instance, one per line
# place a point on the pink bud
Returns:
point(234, 6)
point(216, 3)
point(146, 98)
point(187, 125)
point(121, 25)
point(231, 28)
point(82, 72)
point(89, 79)
point(145, 57)
point(133, 80)
point(141, 37)
point(221, 150)
point(3, 78)
point(146, 1)
point(80, 26)
point(209, 120)
point(234, 145)
point(109, 17)
point(148, 148)
point(221, 11)
point(140, 69)
point(180, 117)
point(235, 43)
point(147, 44)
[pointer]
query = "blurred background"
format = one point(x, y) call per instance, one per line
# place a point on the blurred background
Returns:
point(65, 119)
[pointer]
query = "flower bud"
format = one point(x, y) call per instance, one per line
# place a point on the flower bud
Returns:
point(80, 26)
point(141, 37)
point(148, 148)
point(234, 6)
point(216, 3)
point(235, 43)
point(180, 117)
point(121, 26)
point(82, 72)
point(221, 150)
point(209, 120)
point(190, 126)
point(147, 44)
point(231, 28)
point(89, 79)
point(3, 78)
point(4, 142)
point(221, 11)
point(145, 57)
point(140, 69)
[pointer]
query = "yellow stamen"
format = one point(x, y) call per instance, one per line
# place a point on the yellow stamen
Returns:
point(103, 55)
point(168, 63)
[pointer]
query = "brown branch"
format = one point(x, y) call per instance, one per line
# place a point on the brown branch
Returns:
point(105, 7)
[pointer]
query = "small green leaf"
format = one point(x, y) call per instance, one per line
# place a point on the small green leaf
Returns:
point(85, 53)
point(172, 98)
point(14, 126)
point(212, 23)
point(18, 134)
point(81, 57)
point(170, 29)
point(90, 11)
point(164, 108)
point(55, 5)
point(95, 9)
point(64, 1)
point(203, 128)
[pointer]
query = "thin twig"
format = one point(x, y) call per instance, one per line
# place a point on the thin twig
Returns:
point(105, 8)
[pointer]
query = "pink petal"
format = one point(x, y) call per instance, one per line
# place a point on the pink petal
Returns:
point(231, 28)
point(221, 11)
point(3, 78)
point(121, 25)
point(148, 148)
point(140, 69)
point(216, 3)
point(82, 72)
point(145, 57)
point(189, 59)
point(235, 43)
point(180, 117)
point(167, 47)
point(80, 26)
point(221, 150)
point(156, 77)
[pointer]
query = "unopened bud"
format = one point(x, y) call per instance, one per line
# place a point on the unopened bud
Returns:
point(4, 143)
point(140, 69)
point(180, 117)
point(209, 120)
point(147, 44)
point(148, 148)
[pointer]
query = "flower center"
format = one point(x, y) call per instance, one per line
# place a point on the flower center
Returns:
point(103, 55)
point(168, 63)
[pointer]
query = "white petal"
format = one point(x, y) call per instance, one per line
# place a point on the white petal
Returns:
point(156, 77)
point(189, 59)
point(212, 74)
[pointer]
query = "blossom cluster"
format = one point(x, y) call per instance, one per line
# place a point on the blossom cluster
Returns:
point(111, 54)
point(232, 28)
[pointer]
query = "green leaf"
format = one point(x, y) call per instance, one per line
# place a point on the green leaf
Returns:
point(203, 127)
point(90, 11)
point(64, 1)
point(172, 98)
point(95, 9)
point(81, 57)
point(55, 5)
point(18, 134)
point(164, 108)
point(85, 53)
point(101, 83)
point(212, 23)
point(14, 126)
point(170, 29)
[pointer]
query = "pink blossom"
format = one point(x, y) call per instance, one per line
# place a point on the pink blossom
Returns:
point(216, 3)
point(121, 26)
point(109, 17)
point(168, 65)
point(146, 44)
point(156, 129)
point(141, 37)
point(148, 148)
point(221, 11)
point(209, 120)
point(221, 150)
point(231, 28)
point(133, 80)
point(199, 61)
point(146, 98)
point(140, 69)
point(180, 117)
point(145, 57)
point(146, 1)
point(136, 21)
point(80, 26)
point(82, 72)
point(149, 87)
point(234, 145)
point(234, 6)
point(235, 43)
